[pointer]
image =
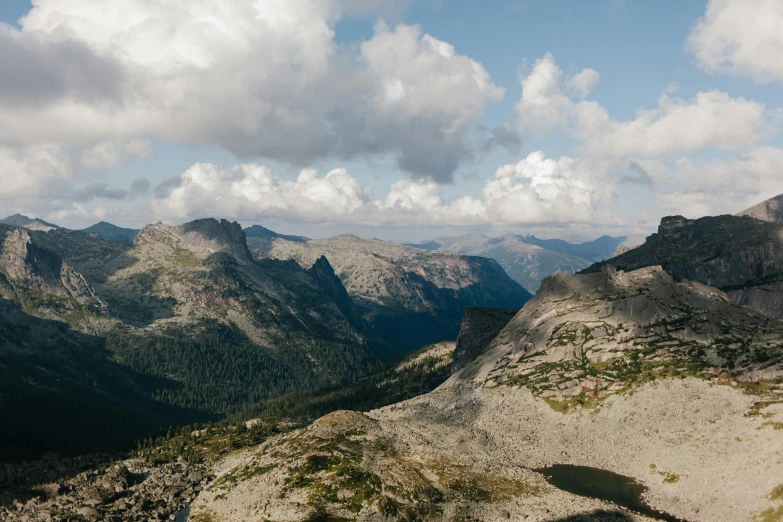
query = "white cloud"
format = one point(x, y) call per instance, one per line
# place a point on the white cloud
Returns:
point(711, 120)
point(34, 172)
point(741, 37)
point(542, 190)
point(730, 183)
point(582, 83)
point(248, 191)
point(692, 205)
point(536, 190)
point(259, 78)
point(108, 154)
point(78, 213)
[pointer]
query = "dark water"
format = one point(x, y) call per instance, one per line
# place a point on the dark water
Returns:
point(183, 515)
point(604, 485)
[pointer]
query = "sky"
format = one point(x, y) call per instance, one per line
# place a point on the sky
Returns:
point(396, 119)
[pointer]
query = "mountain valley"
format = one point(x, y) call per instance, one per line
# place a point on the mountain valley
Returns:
point(655, 365)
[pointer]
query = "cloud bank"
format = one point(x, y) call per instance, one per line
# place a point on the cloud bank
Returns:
point(535, 191)
point(258, 78)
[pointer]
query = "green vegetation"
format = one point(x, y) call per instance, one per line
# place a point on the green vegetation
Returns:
point(220, 371)
point(417, 373)
point(772, 514)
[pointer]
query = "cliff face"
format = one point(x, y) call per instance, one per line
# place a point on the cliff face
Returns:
point(583, 335)
point(479, 328)
point(741, 255)
point(203, 236)
point(409, 297)
point(44, 285)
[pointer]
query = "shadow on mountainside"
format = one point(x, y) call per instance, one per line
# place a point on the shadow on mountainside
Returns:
point(61, 390)
point(601, 515)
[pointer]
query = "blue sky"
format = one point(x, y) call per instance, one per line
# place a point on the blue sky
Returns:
point(408, 122)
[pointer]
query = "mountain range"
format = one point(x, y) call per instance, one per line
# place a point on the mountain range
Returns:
point(528, 259)
point(652, 380)
point(411, 297)
point(665, 384)
point(185, 324)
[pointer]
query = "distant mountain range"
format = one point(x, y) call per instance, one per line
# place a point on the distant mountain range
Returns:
point(18, 220)
point(528, 259)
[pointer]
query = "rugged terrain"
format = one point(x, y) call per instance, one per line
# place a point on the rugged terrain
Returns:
point(409, 296)
point(738, 254)
point(180, 325)
point(163, 475)
point(668, 383)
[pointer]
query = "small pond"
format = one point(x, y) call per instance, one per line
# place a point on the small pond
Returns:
point(604, 485)
point(183, 515)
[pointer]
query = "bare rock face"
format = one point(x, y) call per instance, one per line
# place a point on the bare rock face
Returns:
point(770, 210)
point(767, 298)
point(204, 236)
point(738, 254)
point(592, 334)
point(479, 328)
point(410, 297)
point(32, 274)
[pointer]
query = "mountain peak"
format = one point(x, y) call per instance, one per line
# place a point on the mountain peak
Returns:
point(263, 232)
point(20, 220)
point(208, 236)
point(111, 232)
point(770, 210)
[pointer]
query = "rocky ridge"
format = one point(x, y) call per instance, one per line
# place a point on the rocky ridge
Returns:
point(154, 324)
point(408, 295)
point(586, 336)
point(681, 386)
point(741, 255)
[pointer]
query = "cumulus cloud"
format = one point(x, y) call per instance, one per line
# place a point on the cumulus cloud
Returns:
point(536, 190)
point(36, 171)
point(39, 68)
point(711, 119)
point(77, 212)
point(582, 84)
point(736, 182)
point(258, 78)
point(692, 205)
point(741, 37)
